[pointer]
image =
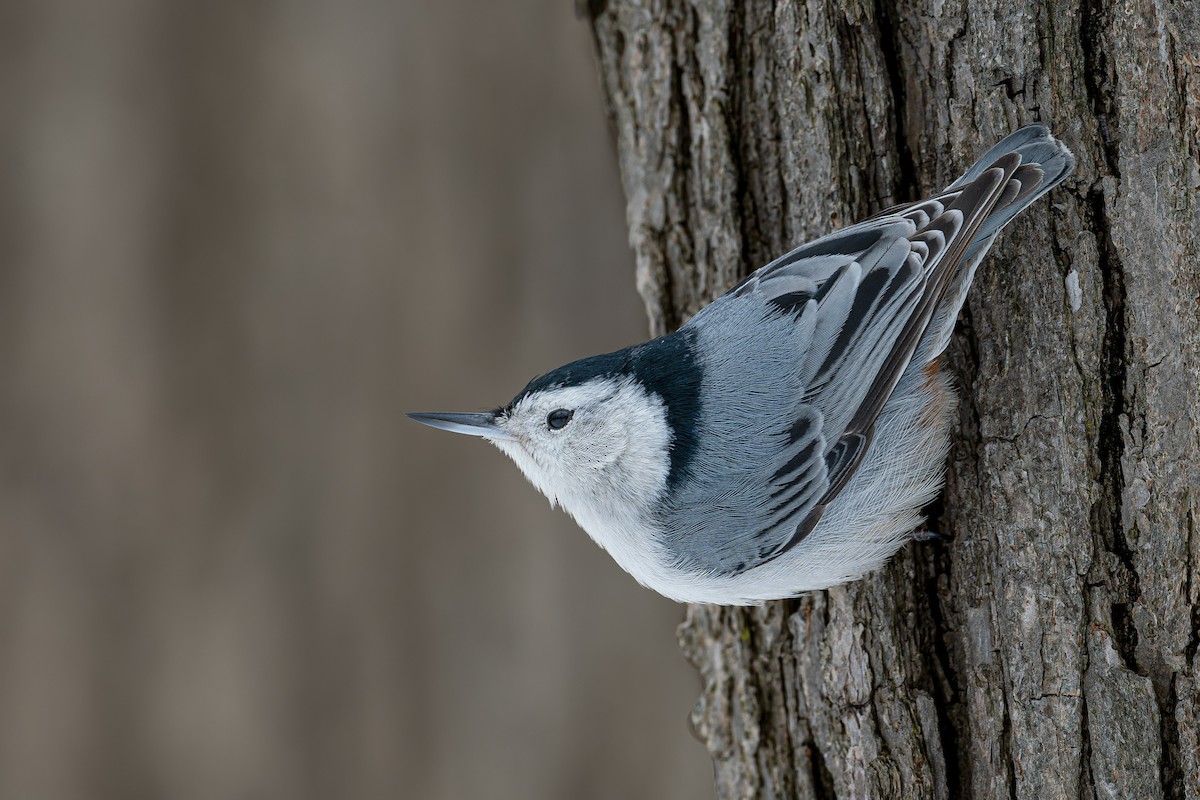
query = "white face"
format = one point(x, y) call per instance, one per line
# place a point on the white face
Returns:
point(591, 445)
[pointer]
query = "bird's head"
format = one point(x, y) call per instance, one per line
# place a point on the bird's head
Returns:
point(588, 433)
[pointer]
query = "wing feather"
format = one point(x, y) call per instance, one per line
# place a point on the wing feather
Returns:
point(850, 309)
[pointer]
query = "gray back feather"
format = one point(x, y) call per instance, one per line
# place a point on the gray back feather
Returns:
point(800, 358)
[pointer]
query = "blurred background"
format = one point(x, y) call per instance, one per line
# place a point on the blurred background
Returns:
point(237, 240)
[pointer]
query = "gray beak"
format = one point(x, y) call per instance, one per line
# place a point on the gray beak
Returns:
point(470, 424)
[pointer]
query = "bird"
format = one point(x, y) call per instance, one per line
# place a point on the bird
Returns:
point(787, 437)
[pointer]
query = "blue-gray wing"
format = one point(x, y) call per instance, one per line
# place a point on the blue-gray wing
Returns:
point(800, 358)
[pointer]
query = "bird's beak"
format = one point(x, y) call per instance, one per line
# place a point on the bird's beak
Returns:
point(471, 424)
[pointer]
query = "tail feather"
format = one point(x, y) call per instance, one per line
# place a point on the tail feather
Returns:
point(1045, 162)
point(1035, 145)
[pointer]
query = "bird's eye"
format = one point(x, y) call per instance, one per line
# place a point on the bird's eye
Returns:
point(558, 418)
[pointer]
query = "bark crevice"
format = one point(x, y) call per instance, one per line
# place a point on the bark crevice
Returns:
point(944, 677)
point(1098, 77)
point(891, 47)
point(1111, 437)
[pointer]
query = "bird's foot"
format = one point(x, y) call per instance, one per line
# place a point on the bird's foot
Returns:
point(927, 535)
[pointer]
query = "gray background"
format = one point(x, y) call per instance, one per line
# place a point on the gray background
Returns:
point(237, 241)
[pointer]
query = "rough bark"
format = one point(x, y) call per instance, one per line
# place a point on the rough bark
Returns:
point(1049, 649)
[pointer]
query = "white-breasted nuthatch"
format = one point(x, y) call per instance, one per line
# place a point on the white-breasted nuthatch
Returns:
point(786, 438)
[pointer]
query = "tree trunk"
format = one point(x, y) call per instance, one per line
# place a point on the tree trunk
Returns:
point(1049, 649)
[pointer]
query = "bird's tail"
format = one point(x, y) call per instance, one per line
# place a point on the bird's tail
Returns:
point(1045, 162)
